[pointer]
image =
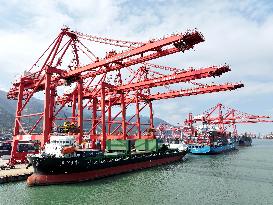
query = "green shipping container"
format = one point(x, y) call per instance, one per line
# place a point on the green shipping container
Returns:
point(147, 145)
point(118, 145)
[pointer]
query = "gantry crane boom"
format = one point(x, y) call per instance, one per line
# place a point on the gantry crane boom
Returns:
point(189, 92)
point(174, 78)
point(197, 91)
point(177, 78)
point(178, 43)
point(178, 93)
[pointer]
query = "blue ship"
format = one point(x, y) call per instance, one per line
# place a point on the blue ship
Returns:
point(207, 141)
point(211, 149)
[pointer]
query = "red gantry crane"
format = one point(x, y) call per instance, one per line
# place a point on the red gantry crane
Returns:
point(225, 117)
point(100, 91)
point(168, 132)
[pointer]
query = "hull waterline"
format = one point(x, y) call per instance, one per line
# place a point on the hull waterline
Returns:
point(38, 179)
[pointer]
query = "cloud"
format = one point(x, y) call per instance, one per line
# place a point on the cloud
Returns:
point(171, 110)
point(237, 33)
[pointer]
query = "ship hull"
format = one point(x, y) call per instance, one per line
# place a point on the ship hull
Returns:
point(41, 177)
point(245, 143)
point(211, 149)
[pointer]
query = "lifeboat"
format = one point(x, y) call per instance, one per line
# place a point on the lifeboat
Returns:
point(68, 150)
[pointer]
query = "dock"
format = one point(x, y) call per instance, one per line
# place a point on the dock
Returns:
point(19, 173)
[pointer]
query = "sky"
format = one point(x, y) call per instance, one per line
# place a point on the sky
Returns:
point(239, 33)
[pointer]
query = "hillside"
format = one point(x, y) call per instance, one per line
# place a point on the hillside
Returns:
point(8, 109)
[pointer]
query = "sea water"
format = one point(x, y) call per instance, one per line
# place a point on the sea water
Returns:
point(243, 176)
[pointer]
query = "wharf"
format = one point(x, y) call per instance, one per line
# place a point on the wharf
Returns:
point(19, 173)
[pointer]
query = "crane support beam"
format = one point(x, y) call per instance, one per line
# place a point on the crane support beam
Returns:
point(46, 122)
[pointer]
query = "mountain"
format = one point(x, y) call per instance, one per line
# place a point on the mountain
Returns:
point(8, 109)
point(6, 119)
